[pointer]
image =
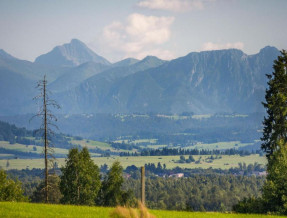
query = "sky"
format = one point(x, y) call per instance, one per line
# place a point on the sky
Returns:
point(118, 29)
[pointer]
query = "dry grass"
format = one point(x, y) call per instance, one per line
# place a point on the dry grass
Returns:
point(128, 212)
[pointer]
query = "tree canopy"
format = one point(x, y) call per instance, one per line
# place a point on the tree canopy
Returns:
point(54, 194)
point(80, 180)
point(112, 193)
point(9, 189)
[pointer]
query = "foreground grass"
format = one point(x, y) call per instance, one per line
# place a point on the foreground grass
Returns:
point(13, 209)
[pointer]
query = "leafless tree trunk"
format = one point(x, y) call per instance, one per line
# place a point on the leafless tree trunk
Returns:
point(47, 119)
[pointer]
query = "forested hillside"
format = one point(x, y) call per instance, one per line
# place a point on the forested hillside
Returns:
point(185, 130)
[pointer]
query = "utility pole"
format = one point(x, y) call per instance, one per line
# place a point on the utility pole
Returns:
point(143, 185)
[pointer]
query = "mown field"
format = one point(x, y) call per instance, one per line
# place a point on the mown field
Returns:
point(219, 145)
point(13, 209)
point(90, 144)
point(29, 148)
point(225, 162)
point(106, 147)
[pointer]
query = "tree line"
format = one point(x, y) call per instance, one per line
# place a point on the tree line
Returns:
point(80, 183)
point(180, 151)
point(197, 193)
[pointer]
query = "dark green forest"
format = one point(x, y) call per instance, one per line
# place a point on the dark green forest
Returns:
point(198, 192)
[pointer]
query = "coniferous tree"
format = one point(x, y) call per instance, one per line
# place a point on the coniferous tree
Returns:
point(80, 180)
point(275, 137)
point(112, 193)
point(275, 124)
point(275, 187)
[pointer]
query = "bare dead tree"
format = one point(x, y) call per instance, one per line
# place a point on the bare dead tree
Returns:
point(48, 120)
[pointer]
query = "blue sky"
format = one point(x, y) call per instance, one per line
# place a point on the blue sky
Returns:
point(117, 29)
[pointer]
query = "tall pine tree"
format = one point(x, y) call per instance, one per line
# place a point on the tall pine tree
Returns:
point(275, 138)
point(275, 124)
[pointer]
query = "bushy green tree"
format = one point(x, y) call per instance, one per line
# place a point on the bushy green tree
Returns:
point(54, 194)
point(10, 190)
point(250, 205)
point(80, 180)
point(112, 193)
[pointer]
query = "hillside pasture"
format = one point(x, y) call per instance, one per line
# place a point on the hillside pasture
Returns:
point(225, 162)
point(29, 148)
point(219, 145)
point(91, 144)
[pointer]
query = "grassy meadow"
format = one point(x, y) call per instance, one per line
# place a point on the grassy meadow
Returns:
point(14, 209)
point(225, 162)
point(219, 145)
point(91, 144)
point(29, 148)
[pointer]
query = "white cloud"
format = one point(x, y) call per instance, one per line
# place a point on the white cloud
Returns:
point(139, 35)
point(172, 5)
point(214, 46)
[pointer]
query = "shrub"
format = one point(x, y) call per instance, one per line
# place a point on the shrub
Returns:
point(250, 205)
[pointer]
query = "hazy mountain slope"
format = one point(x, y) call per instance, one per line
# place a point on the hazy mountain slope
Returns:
point(202, 82)
point(205, 82)
point(16, 92)
point(125, 62)
point(122, 71)
point(74, 76)
point(71, 54)
point(93, 92)
point(28, 69)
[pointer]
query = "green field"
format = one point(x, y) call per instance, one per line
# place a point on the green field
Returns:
point(29, 148)
point(225, 162)
point(211, 146)
point(138, 141)
point(170, 161)
point(13, 209)
point(92, 144)
point(219, 145)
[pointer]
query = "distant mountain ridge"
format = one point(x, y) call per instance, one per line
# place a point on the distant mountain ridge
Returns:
point(83, 82)
point(72, 54)
point(201, 82)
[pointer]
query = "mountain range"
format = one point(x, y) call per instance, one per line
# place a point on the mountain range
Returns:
point(222, 81)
